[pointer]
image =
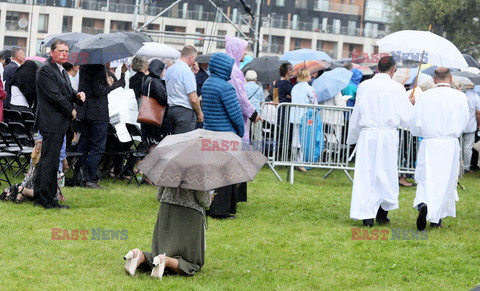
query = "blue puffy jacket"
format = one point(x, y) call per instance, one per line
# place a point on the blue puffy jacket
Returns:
point(220, 105)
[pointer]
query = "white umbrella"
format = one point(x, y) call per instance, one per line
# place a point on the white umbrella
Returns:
point(158, 50)
point(438, 50)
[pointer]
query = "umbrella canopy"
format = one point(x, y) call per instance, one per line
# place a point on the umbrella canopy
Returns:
point(463, 83)
point(70, 38)
point(302, 55)
point(475, 78)
point(201, 160)
point(36, 58)
point(247, 59)
point(471, 61)
point(364, 69)
point(438, 50)
point(330, 83)
point(311, 66)
point(103, 48)
point(138, 36)
point(266, 67)
point(7, 51)
point(203, 59)
point(158, 50)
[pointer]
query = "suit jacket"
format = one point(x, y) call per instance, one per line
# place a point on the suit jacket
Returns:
point(8, 73)
point(55, 98)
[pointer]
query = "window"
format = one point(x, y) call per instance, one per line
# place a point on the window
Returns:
point(295, 22)
point(16, 20)
point(336, 26)
point(221, 43)
point(352, 27)
point(92, 25)
point(43, 23)
point(315, 22)
point(301, 3)
point(324, 24)
point(218, 15)
point(120, 26)
point(199, 39)
point(174, 40)
point(280, 2)
point(198, 12)
point(322, 5)
point(185, 10)
point(235, 15)
point(17, 41)
point(67, 24)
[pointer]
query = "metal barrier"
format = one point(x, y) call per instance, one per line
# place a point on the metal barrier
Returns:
point(314, 136)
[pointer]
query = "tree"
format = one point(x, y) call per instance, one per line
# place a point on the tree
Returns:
point(458, 21)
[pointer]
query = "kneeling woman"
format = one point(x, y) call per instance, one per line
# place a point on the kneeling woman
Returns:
point(178, 243)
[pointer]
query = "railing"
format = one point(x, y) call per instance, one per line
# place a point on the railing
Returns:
point(66, 28)
point(174, 40)
point(13, 25)
point(315, 136)
point(273, 48)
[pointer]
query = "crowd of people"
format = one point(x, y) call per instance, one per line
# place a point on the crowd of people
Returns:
point(218, 96)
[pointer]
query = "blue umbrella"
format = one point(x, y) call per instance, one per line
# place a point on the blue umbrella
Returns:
point(247, 59)
point(330, 83)
point(302, 55)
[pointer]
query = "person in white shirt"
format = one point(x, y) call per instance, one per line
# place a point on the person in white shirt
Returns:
point(381, 107)
point(469, 134)
point(440, 116)
point(23, 87)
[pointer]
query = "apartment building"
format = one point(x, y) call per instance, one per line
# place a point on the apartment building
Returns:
point(338, 27)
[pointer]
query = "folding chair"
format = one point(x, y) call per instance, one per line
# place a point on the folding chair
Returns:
point(24, 141)
point(141, 150)
point(114, 150)
point(15, 116)
point(9, 147)
point(4, 163)
point(27, 115)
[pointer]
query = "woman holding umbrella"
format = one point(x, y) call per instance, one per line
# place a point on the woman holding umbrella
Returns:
point(24, 92)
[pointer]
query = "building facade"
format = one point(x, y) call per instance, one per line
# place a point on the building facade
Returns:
point(338, 27)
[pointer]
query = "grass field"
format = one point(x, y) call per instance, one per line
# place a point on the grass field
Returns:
point(286, 237)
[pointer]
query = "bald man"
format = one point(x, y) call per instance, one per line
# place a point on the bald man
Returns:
point(440, 116)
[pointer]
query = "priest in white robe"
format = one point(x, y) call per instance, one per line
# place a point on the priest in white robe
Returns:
point(382, 106)
point(440, 116)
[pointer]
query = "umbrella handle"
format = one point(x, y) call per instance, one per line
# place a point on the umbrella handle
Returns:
point(416, 78)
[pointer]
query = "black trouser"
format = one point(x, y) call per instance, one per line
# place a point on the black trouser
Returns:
point(181, 119)
point(45, 182)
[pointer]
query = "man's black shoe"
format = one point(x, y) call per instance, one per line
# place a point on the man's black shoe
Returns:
point(436, 225)
point(368, 222)
point(382, 216)
point(422, 217)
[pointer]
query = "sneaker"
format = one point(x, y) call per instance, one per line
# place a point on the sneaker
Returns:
point(93, 185)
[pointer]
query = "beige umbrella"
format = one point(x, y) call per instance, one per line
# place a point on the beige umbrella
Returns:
point(202, 160)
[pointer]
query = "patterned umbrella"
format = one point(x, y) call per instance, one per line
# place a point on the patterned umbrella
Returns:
point(311, 66)
point(202, 160)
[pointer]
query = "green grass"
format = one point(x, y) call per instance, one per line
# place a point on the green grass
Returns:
point(293, 237)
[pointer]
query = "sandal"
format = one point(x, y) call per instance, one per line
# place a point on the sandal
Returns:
point(17, 199)
point(9, 193)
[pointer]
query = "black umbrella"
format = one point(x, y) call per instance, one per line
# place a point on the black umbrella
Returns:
point(471, 61)
point(7, 51)
point(266, 67)
point(104, 48)
point(203, 59)
point(475, 78)
point(70, 38)
point(138, 36)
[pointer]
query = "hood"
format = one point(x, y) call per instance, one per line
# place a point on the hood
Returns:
point(356, 77)
point(221, 66)
point(235, 47)
point(156, 68)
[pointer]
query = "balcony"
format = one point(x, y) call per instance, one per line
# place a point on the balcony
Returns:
point(12, 25)
point(273, 48)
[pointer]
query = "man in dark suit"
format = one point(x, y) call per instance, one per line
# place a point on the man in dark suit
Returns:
point(18, 58)
point(55, 98)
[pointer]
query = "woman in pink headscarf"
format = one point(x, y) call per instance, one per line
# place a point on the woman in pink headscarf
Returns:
point(237, 49)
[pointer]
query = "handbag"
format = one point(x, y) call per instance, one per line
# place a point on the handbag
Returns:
point(150, 112)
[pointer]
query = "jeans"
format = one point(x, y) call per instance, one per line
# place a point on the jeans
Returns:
point(92, 142)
